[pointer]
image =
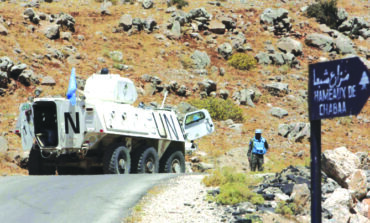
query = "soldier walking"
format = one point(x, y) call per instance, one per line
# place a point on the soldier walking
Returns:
point(257, 148)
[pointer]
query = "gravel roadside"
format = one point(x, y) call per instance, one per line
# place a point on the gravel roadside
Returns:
point(181, 200)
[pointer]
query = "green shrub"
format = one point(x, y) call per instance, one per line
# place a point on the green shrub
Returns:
point(325, 11)
point(220, 109)
point(242, 61)
point(179, 3)
point(286, 209)
point(234, 187)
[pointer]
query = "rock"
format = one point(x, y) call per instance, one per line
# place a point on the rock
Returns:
point(277, 88)
point(200, 59)
point(301, 197)
point(338, 204)
point(278, 112)
point(125, 22)
point(25, 77)
point(269, 16)
point(147, 4)
point(353, 26)
point(199, 13)
point(339, 164)
point(224, 94)
point(4, 80)
point(263, 58)
point(357, 218)
point(366, 202)
point(208, 86)
point(284, 129)
point(3, 31)
point(202, 167)
point(3, 145)
point(320, 41)
point(67, 21)
point(104, 8)
point(184, 108)
point(15, 71)
point(29, 13)
point(170, 9)
point(217, 27)
point(179, 16)
point(289, 45)
point(150, 24)
point(222, 71)
point(6, 64)
point(344, 45)
point(228, 22)
point(329, 187)
point(357, 183)
point(52, 31)
point(277, 59)
point(49, 81)
point(342, 15)
point(66, 36)
point(176, 30)
point(225, 50)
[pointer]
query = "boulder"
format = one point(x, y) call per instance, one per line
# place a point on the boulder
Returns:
point(49, 81)
point(339, 164)
point(225, 50)
point(320, 41)
point(278, 112)
point(338, 204)
point(147, 4)
point(52, 31)
point(125, 22)
point(26, 77)
point(357, 183)
point(176, 30)
point(269, 16)
point(150, 24)
point(207, 86)
point(228, 22)
point(263, 58)
point(29, 13)
point(344, 45)
point(342, 15)
point(66, 21)
point(6, 64)
point(224, 94)
point(16, 70)
point(199, 13)
point(277, 59)
point(179, 16)
point(301, 197)
point(3, 31)
point(200, 59)
point(277, 88)
point(217, 27)
point(3, 79)
point(289, 45)
point(66, 36)
point(284, 129)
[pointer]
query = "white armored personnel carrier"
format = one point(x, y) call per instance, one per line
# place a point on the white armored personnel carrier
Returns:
point(104, 131)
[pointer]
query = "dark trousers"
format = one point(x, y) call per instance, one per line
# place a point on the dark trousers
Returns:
point(256, 162)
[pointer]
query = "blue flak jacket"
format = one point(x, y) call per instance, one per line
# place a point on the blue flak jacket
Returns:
point(259, 146)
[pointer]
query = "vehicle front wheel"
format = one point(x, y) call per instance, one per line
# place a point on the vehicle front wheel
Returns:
point(36, 164)
point(148, 161)
point(175, 163)
point(117, 161)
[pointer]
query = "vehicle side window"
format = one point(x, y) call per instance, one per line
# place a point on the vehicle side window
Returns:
point(194, 118)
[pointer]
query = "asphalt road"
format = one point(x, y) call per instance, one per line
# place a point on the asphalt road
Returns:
point(99, 198)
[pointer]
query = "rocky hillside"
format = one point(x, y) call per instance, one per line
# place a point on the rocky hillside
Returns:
point(188, 52)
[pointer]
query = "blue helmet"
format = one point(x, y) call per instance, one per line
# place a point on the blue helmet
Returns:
point(258, 131)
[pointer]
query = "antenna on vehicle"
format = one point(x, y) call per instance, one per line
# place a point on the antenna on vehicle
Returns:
point(164, 99)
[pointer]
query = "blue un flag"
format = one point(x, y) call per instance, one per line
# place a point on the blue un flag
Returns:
point(72, 87)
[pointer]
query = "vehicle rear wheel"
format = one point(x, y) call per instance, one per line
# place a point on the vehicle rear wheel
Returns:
point(36, 164)
point(175, 163)
point(117, 161)
point(148, 161)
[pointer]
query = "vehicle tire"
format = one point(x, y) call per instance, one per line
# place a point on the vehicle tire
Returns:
point(148, 161)
point(34, 162)
point(175, 163)
point(117, 161)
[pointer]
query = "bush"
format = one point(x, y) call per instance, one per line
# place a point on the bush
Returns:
point(242, 61)
point(179, 3)
point(219, 109)
point(325, 11)
point(234, 187)
point(286, 209)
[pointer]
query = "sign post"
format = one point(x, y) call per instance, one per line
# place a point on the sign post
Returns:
point(336, 88)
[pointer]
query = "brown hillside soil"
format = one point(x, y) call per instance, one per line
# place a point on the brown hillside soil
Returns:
point(142, 51)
